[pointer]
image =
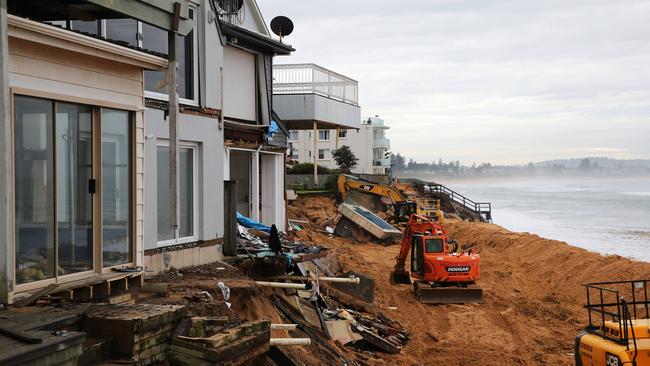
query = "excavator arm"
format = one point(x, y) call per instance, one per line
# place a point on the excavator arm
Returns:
point(346, 183)
point(416, 224)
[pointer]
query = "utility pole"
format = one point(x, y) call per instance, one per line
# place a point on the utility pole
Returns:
point(172, 40)
point(315, 153)
point(6, 174)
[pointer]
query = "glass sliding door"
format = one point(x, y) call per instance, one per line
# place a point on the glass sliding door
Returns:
point(34, 196)
point(116, 187)
point(74, 208)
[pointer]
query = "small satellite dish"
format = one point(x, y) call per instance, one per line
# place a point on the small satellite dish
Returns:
point(282, 26)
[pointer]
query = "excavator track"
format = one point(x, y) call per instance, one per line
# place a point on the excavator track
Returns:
point(428, 294)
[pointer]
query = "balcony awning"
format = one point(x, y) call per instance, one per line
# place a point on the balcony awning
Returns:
point(159, 13)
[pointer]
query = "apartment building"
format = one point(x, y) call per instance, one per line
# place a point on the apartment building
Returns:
point(369, 143)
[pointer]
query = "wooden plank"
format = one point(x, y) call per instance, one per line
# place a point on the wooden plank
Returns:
point(20, 335)
point(35, 296)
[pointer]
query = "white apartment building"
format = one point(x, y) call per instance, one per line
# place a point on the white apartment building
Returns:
point(369, 144)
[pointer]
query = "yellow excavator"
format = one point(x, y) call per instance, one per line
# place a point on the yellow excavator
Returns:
point(430, 208)
point(402, 207)
point(619, 325)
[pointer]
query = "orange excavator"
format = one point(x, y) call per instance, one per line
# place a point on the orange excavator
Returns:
point(442, 275)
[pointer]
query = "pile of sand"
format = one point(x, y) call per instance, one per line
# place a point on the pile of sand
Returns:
point(532, 291)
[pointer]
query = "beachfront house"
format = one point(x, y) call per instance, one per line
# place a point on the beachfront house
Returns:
point(318, 103)
point(72, 145)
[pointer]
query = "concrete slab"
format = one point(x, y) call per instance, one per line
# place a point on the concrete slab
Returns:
point(368, 221)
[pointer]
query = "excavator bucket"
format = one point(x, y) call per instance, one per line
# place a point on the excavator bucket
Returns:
point(400, 277)
point(427, 294)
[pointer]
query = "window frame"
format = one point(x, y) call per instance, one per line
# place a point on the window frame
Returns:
point(345, 134)
point(195, 65)
point(324, 153)
point(194, 146)
point(98, 267)
point(294, 132)
point(326, 132)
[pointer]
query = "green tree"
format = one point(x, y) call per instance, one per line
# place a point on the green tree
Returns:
point(345, 159)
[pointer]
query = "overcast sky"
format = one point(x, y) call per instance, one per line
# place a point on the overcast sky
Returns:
point(506, 81)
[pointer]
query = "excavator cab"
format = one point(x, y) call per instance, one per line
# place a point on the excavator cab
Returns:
point(422, 246)
point(404, 210)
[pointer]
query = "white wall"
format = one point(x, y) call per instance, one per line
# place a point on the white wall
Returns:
point(239, 84)
point(206, 133)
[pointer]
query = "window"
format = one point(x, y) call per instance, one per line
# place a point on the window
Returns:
point(343, 134)
point(293, 135)
point(155, 39)
point(188, 197)
point(324, 135)
point(323, 154)
point(125, 30)
point(116, 183)
point(294, 153)
point(433, 245)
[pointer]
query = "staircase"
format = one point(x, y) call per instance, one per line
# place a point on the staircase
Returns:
point(484, 209)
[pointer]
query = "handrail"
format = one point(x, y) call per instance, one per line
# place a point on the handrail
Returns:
point(314, 79)
point(477, 207)
point(608, 303)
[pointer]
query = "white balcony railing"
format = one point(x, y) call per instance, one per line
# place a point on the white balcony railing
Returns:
point(383, 143)
point(314, 79)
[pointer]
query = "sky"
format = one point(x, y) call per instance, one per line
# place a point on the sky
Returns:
point(500, 81)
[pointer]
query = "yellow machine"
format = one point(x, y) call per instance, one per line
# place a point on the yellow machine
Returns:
point(430, 208)
point(619, 325)
point(403, 208)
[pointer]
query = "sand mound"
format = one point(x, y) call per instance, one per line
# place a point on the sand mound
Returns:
point(533, 296)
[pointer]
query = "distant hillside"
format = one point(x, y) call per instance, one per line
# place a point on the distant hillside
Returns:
point(601, 162)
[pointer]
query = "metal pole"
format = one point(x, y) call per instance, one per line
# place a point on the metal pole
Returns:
point(315, 153)
point(6, 173)
point(173, 133)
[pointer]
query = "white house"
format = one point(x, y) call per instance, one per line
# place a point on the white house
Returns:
point(369, 144)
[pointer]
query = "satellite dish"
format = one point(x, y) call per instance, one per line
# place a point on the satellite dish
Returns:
point(282, 26)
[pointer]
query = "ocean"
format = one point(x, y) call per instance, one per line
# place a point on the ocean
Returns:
point(608, 215)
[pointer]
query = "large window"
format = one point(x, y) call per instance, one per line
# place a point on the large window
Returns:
point(155, 39)
point(188, 198)
point(137, 34)
point(293, 135)
point(324, 135)
point(55, 167)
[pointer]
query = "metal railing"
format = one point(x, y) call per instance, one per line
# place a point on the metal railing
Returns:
point(619, 302)
point(481, 208)
point(314, 79)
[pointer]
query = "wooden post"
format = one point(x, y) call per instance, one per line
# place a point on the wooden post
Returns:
point(315, 153)
point(336, 146)
point(174, 206)
point(6, 174)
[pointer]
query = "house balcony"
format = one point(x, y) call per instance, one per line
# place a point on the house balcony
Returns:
point(384, 162)
point(381, 143)
point(304, 94)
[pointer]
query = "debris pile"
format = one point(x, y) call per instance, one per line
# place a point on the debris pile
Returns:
point(319, 296)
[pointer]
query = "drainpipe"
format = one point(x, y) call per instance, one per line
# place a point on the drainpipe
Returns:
point(6, 174)
point(172, 40)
